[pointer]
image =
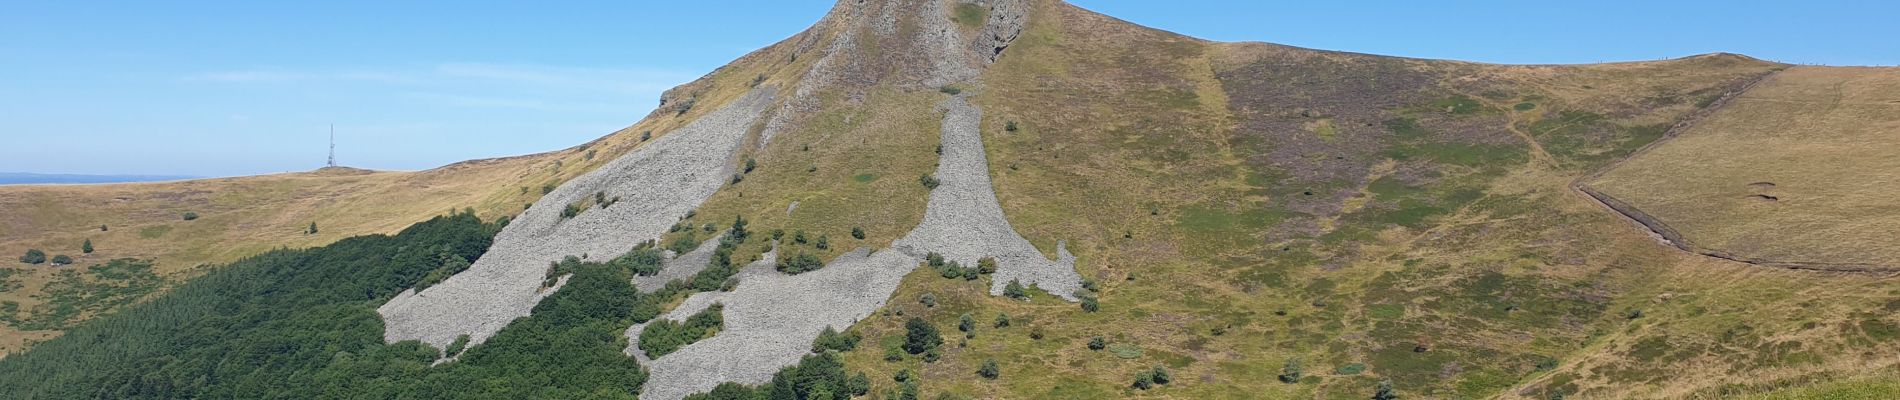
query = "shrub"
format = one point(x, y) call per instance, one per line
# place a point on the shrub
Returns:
point(190, 215)
point(312, 230)
point(1097, 343)
point(456, 347)
point(1091, 285)
point(920, 336)
point(800, 263)
point(102, 228)
point(1035, 333)
point(663, 336)
point(928, 300)
point(646, 135)
point(986, 265)
point(547, 188)
point(1088, 302)
point(1290, 373)
point(683, 243)
point(902, 375)
point(798, 237)
point(1009, 126)
point(778, 234)
point(1002, 320)
point(966, 323)
point(951, 90)
point(33, 256)
point(572, 210)
point(824, 242)
point(62, 260)
point(1384, 391)
point(1144, 380)
point(857, 233)
point(737, 177)
point(929, 182)
point(1160, 374)
point(644, 261)
point(1015, 290)
point(893, 354)
point(86, 247)
point(751, 164)
point(830, 339)
point(989, 369)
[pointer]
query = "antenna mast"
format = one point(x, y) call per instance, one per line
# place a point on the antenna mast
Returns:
point(332, 145)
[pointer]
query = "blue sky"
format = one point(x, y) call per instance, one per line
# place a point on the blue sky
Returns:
point(235, 88)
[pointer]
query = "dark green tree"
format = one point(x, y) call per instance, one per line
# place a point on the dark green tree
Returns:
point(1097, 343)
point(1015, 290)
point(920, 336)
point(62, 260)
point(86, 247)
point(966, 323)
point(857, 232)
point(1290, 373)
point(989, 370)
point(33, 256)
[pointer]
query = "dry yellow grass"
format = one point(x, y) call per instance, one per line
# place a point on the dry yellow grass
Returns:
point(1800, 169)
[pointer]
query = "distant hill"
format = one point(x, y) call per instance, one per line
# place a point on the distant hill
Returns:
point(28, 178)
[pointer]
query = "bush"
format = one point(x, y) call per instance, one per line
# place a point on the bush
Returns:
point(989, 369)
point(966, 323)
point(33, 256)
point(646, 135)
point(830, 339)
point(929, 182)
point(1144, 380)
point(190, 215)
point(800, 263)
point(683, 244)
point(824, 242)
point(1088, 302)
point(920, 336)
point(663, 336)
point(1097, 343)
point(750, 164)
point(456, 347)
point(928, 300)
point(312, 230)
point(1002, 320)
point(951, 90)
point(1015, 290)
point(798, 237)
point(572, 210)
point(1160, 374)
point(1384, 391)
point(86, 247)
point(642, 261)
point(986, 265)
point(1290, 373)
point(62, 260)
point(857, 233)
point(1009, 126)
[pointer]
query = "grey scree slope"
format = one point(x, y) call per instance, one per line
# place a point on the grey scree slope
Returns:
point(771, 319)
point(657, 184)
point(964, 221)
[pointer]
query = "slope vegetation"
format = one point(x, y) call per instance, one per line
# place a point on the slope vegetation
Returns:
point(1797, 172)
point(1025, 199)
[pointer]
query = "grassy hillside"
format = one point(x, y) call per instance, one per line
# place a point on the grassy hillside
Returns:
point(1259, 221)
point(1798, 171)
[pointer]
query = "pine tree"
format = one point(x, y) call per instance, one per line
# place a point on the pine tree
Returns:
point(86, 247)
point(989, 369)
